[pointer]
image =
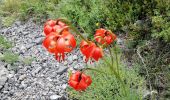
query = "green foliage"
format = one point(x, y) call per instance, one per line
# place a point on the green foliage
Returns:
point(107, 87)
point(9, 57)
point(8, 20)
point(4, 44)
point(134, 17)
point(9, 11)
point(161, 28)
point(27, 60)
point(92, 14)
point(38, 10)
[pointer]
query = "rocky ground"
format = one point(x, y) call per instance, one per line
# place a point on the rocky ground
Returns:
point(44, 78)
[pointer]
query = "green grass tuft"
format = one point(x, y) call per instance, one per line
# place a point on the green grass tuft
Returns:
point(9, 57)
point(4, 44)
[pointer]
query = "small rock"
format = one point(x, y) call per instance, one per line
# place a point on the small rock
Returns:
point(70, 59)
point(55, 97)
point(1, 55)
point(29, 46)
point(36, 71)
point(49, 79)
point(65, 63)
point(23, 86)
point(22, 47)
point(75, 57)
point(62, 69)
point(22, 77)
point(76, 67)
point(10, 75)
point(64, 86)
point(39, 40)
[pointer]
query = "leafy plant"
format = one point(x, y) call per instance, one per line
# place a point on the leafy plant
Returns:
point(105, 86)
point(4, 44)
point(155, 56)
point(27, 60)
point(9, 57)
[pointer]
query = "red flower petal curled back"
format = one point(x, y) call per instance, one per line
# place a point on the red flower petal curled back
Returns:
point(50, 23)
point(97, 53)
point(50, 42)
point(103, 36)
point(66, 43)
point(90, 50)
point(48, 26)
point(79, 81)
point(87, 49)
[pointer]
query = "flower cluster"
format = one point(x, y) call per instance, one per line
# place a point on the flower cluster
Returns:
point(59, 40)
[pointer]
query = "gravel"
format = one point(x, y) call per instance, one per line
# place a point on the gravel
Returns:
point(3, 75)
point(43, 78)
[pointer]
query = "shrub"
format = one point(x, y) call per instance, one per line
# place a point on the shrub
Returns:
point(155, 56)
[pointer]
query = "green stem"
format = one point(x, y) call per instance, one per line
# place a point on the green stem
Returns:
point(93, 69)
point(117, 76)
point(117, 63)
point(111, 56)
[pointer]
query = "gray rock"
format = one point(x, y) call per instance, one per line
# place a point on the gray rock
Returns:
point(22, 77)
point(65, 63)
point(62, 69)
point(3, 75)
point(70, 59)
point(39, 40)
point(64, 86)
point(75, 57)
point(55, 97)
point(76, 67)
point(36, 70)
point(10, 75)
point(22, 47)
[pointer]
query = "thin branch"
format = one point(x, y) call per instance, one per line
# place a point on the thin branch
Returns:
point(143, 61)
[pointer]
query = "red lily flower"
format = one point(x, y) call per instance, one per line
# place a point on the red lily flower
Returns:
point(59, 43)
point(103, 36)
point(79, 81)
point(90, 50)
point(66, 43)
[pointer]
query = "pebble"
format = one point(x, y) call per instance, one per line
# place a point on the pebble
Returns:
point(62, 69)
point(75, 57)
point(55, 97)
point(64, 86)
point(22, 77)
point(36, 70)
